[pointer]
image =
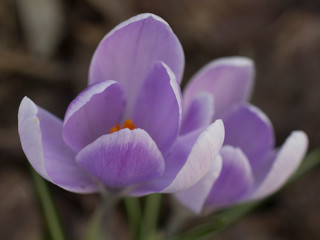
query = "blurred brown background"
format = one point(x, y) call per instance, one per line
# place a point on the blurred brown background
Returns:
point(45, 51)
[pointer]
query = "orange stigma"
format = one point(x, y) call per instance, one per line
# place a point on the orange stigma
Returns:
point(127, 124)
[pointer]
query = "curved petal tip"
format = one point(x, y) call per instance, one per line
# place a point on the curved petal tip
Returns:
point(30, 135)
point(284, 164)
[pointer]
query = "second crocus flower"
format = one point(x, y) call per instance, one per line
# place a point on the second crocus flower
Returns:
point(252, 168)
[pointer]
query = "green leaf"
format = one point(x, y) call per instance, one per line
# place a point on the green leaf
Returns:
point(49, 210)
point(150, 217)
point(93, 230)
point(310, 161)
point(133, 208)
point(216, 223)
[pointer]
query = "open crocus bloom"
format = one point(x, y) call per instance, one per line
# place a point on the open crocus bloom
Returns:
point(121, 132)
point(251, 167)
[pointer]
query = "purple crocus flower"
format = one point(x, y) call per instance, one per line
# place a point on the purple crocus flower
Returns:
point(121, 132)
point(251, 167)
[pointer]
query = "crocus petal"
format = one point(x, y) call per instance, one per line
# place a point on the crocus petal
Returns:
point(229, 80)
point(235, 180)
point(129, 51)
point(199, 113)
point(123, 158)
point(158, 106)
point(41, 139)
point(283, 165)
point(93, 113)
point(174, 162)
point(249, 129)
point(192, 159)
point(195, 196)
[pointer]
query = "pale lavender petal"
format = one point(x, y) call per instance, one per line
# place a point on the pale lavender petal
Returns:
point(158, 107)
point(173, 164)
point(93, 113)
point(123, 158)
point(229, 80)
point(249, 129)
point(284, 163)
point(190, 159)
point(129, 51)
point(235, 180)
point(30, 135)
point(41, 139)
point(199, 113)
point(195, 196)
point(190, 162)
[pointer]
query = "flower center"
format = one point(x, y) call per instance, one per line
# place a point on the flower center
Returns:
point(127, 124)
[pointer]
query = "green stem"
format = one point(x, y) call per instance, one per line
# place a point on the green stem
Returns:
point(150, 217)
point(48, 207)
point(134, 214)
point(98, 225)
